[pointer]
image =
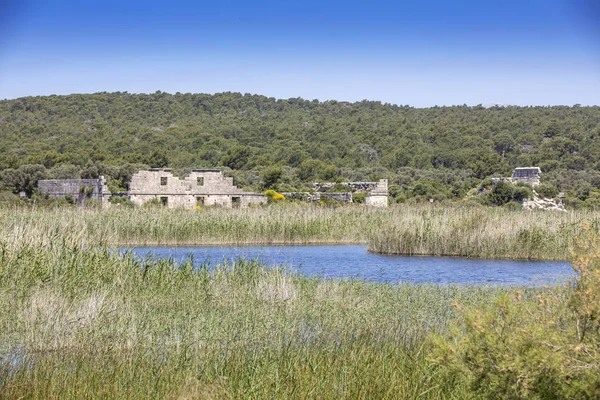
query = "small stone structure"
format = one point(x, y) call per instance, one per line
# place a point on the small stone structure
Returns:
point(79, 190)
point(201, 187)
point(378, 195)
point(529, 175)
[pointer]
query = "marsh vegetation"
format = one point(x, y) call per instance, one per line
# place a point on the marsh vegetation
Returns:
point(81, 320)
point(411, 230)
point(102, 327)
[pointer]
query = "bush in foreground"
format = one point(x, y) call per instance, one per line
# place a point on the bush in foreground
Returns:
point(547, 348)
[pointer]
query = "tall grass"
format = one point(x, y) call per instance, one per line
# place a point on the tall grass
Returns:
point(481, 232)
point(412, 230)
point(81, 321)
point(274, 225)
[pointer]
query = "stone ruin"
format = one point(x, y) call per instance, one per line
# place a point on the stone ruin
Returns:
point(529, 175)
point(377, 192)
point(378, 195)
point(79, 190)
point(539, 203)
point(202, 187)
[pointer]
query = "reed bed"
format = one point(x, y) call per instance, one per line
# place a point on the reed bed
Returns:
point(481, 232)
point(408, 230)
point(81, 321)
point(291, 224)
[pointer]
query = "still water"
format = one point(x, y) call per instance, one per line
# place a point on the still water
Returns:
point(354, 261)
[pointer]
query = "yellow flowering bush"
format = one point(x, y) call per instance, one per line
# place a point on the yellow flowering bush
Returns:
point(274, 196)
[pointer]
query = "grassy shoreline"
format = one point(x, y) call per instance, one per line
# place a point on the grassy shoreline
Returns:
point(471, 232)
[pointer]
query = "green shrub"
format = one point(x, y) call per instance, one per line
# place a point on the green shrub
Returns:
point(359, 197)
point(8, 196)
point(547, 191)
point(394, 190)
point(501, 193)
point(120, 201)
point(593, 203)
point(574, 203)
point(583, 189)
point(545, 347)
point(271, 176)
point(504, 192)
point(485, 183)
point(522, 193)
point(339, 188)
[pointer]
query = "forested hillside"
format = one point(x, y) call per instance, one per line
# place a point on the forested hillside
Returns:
point(442, 151)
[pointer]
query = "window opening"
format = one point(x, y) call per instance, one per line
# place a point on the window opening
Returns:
point(200, 181)
point(163, 180)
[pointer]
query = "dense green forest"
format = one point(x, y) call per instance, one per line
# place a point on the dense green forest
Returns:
point(438, 152)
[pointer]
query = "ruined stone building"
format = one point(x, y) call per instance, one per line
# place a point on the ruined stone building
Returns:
point(201, 187)
point(530, 175)
point(377, 192)
point(79, 190)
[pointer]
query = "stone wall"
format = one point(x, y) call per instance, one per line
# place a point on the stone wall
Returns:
point(377, 192)
point(199, 188)
point(79, 190)
point(378, 195)
point(341, 197)
point(353, 186)
point(376, 201)
point(298, 196)
point(530, 175)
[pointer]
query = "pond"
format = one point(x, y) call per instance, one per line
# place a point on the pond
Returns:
point(354, 261)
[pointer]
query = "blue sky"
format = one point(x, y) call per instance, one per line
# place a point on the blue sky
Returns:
point(422, 53)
